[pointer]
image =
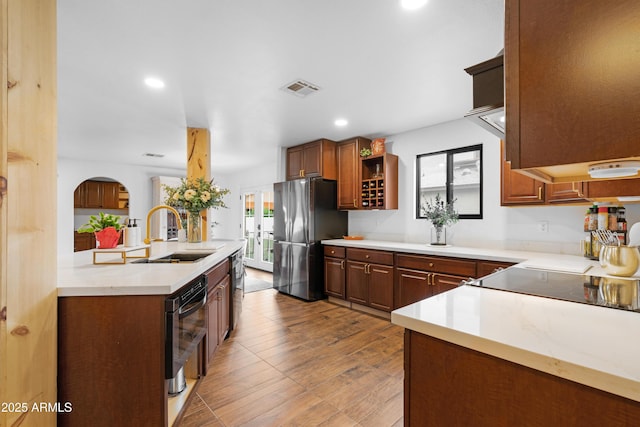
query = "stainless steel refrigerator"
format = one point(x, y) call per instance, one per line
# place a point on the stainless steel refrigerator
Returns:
point(305, 212)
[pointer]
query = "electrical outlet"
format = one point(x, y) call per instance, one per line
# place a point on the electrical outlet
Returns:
point(543, 226)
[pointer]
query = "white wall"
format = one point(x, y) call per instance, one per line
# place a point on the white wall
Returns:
point(253, 179)
point(501, 227)
point(137, 180)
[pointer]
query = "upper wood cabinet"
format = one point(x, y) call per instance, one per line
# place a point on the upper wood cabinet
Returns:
point(519, 189)
point(571, 85)
point(97, 194)
point(317, 158)
point(349, 172)
point(379, 183)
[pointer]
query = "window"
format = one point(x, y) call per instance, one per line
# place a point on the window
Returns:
point(454, 174)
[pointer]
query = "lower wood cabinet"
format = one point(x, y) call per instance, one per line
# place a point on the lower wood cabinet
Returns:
point(496, 392)
point(218, 300)
point(334, 271)
point(369, 278)
point(420, 276)
point(488, 267)
point(386, 280)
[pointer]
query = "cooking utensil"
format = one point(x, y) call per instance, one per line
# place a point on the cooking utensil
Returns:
point(606, 237)
point(620, 260)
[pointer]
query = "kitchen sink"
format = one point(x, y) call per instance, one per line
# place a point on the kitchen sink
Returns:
point(176, 258)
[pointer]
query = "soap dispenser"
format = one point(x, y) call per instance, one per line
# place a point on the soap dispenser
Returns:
point(138, 237)
point(128, 234)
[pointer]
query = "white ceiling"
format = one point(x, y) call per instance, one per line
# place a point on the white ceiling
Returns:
point(384, 69)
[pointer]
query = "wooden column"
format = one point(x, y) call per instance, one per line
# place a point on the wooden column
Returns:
point(199, 163)
point(28, 206)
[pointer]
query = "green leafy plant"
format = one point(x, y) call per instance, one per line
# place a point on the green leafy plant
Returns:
point(365, 152)
point(439, 213)
point(97, 223)
point(195, 195)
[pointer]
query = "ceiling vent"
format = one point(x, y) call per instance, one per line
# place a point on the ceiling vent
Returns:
point(300, 88)
point(153, 155)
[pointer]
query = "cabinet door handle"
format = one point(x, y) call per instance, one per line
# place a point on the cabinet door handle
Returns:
point(342, 265)
point(540, 192)
point(410, 276)
point(355, 203)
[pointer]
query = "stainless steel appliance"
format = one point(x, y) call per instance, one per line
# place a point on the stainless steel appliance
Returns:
point(612, 292)
point(186, 325)
point(305, 213)
point(237, 288)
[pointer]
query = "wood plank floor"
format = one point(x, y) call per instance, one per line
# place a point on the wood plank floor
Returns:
point(296, 363)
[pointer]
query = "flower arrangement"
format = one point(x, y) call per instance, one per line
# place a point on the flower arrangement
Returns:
point(439, 213)
point(365, 152)
point(195, 195)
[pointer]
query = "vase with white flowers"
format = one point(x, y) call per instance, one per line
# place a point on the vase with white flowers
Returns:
point(441, 215)
point(194, 196)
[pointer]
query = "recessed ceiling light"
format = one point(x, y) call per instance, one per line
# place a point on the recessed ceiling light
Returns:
point(614, 169)
point(412, 4)
point(154, 82)
point(341, 122)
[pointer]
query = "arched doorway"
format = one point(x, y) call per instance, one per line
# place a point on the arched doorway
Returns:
point(92, 196)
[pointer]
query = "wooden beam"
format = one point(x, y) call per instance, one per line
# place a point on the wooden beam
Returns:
point(28, 297)
point(199, 163)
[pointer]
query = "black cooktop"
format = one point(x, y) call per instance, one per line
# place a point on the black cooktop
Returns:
point(620, 293)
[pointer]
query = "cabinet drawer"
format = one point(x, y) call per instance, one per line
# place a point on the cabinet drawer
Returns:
point(334, 251)
point(217, 273)
point(487, 267)
point(370, 256)
point(460, 267)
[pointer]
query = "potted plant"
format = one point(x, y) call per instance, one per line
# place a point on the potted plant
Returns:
point(194, 196)
point(107, 229)
point(441, 215)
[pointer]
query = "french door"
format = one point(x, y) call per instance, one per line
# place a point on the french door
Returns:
point(258, 228)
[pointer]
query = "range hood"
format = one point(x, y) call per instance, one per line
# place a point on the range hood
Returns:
point(488, 95)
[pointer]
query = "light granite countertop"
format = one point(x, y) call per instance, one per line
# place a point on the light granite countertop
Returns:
point(591, 345)
point(79, 276)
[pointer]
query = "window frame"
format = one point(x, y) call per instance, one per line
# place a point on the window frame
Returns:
point(449, 178)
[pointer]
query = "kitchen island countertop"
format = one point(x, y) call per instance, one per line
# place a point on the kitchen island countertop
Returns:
point(587, 344)
point(590, 345)
point(78, 276)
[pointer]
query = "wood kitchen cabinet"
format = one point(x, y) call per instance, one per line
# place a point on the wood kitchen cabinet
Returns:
point(349, 172)
point(435, 370)
point(569, 91)
point(420, 276)
point(111, 360)
point(519, 189)
point(484, 268)
point(379, 183)
point(369, 278)
point(334, 271)
point(97, 194)
point(218, 300)
point(316, 158)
